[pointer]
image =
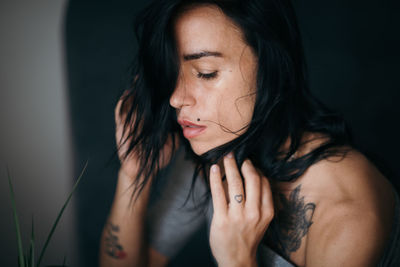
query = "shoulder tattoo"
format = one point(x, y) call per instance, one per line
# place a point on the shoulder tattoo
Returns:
point(293, 219)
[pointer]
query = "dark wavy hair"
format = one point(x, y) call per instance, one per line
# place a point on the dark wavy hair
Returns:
point(284, 106)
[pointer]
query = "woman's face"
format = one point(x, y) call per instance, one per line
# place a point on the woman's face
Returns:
point(215, 92)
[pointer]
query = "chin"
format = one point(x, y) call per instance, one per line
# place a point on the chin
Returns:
point(200, 149)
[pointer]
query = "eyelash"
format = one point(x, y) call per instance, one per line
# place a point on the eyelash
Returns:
point(207, 76)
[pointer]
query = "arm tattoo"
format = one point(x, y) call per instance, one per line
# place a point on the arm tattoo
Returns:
point(113, 248)
point(293, 221)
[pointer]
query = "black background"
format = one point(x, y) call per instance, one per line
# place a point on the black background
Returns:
point(352, 50)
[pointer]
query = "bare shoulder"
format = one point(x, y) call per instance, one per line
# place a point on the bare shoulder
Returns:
point(354, 205)
point(350, 178)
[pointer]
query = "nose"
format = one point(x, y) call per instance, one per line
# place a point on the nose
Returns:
point(182, 95)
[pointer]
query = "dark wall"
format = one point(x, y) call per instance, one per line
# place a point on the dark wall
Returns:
point(352, 48)
point(99, 47)
point(353, 58)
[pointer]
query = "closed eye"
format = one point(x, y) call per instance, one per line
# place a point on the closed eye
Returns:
point(207, 76)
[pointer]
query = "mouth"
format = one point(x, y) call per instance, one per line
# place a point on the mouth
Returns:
point(190, 129)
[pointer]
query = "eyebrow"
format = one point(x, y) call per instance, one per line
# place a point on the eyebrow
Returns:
point(201, 54)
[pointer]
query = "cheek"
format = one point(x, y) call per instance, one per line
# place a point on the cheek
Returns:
point(235, 111)
point(230, 114)
point(244, 107)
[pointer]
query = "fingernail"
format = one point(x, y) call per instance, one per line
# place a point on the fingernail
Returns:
point(230, 155)
point(214, 168)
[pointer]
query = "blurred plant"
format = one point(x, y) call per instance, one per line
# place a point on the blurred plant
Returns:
point(28, 260)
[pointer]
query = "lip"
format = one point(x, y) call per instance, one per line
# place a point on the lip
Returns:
point(190, 129)
point(185, 123)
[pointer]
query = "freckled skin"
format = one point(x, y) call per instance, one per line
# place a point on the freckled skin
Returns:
point(224, 103)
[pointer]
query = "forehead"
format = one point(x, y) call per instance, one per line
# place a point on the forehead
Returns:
point(206, 28)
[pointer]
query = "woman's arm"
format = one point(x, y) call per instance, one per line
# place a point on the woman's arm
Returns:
point(123, 241)
point(352, 222)
point(350, 238)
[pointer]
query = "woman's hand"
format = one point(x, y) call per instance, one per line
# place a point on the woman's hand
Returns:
point(130, 164)
point(239, 224)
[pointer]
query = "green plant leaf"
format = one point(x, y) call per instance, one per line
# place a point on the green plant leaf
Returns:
point(21, 260)
point(59, 216)
point(32, 247)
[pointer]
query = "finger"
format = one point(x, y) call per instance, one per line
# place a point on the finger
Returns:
point(267, 201)
point(120, 114)
point(217, 191)
point(117, 112)
point(235, 184)
point(253, 188)
point(169, 149)
point(118, 126)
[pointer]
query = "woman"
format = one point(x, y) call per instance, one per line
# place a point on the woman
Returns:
point(227, 79)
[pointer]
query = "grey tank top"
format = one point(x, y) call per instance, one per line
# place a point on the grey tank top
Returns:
point(170, 225)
